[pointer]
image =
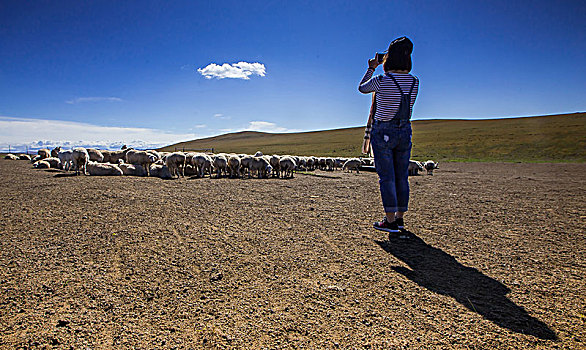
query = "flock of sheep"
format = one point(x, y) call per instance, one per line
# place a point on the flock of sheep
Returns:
point(133, 162)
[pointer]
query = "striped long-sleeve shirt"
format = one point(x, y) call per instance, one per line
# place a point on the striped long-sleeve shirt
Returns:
point(388, 96)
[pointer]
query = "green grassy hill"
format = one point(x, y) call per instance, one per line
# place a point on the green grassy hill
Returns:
point(555, 138)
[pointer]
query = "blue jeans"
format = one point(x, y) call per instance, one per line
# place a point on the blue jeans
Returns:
point(391, 144)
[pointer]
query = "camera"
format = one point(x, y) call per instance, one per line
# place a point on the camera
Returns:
point(380, 56)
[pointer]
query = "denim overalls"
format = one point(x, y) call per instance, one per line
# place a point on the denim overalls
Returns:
point(391, 144)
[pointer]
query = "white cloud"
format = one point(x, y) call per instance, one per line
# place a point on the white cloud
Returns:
point(240, 70)
point(221, 116)
point(38, 133)
point(200, 126)
point(267, 127)
point(93, 99)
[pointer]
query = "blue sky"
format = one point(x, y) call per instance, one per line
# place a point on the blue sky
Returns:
point(116, 71)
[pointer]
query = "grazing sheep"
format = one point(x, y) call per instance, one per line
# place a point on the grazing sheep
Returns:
point(234, 166)
point(44, 153)
point(80, 159)
point(189, 158)
point(322, 163)
point(143, 158)
point(103, 169)
point(24, 157)
point(66, 158)
point(287, 165)
point(190, 170)
point(95, 155)
point(176, 163)
point(36, 159)
point(310, 163)
point(339, 163)
point(430, 165)
point(258, 154)
point(41, 164)
point(161, 171)
point(352, 164)
point(367, 161)
point(203, 162)
point(276, 165)
point(414, 168)
point(132, 169)
point(246, 164)
point(10, 156)
point(220, 164)
point(261, 166)
point(55, 151)
point(330, 164)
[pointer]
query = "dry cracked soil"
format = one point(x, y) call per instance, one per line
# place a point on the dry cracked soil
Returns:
point(496, 260)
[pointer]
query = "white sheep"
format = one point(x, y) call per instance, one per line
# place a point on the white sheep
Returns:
point(80, 159)
point(44, 153)
point(261, 166)
point(161, 171)
point(10, 156)
point(258, 154)
point(55, 151)
point(234, 166)
point(103, 169)
point(154, 153)
point(276, 165)
point(95, 155)
point(24, 157)
point(106, 154)
point(36, 159)
point(54, 162)
point(302, 165)
point(246, 164)
point(414, 168)
point(176, 163)
point(310, 163)
point(330, 164)
point(287, 165)
point(132, 169)
point(143, 158)
point(203, 162)
point(430, 165)
point(66, 158)
point(115, 156)
point(41, 164)
point(220, 164)
point(352, 164)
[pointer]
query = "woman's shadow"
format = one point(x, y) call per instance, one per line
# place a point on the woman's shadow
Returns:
point(440, 272)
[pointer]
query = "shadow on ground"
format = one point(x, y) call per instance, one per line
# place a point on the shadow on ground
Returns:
point(60, 174)
point(441, 273)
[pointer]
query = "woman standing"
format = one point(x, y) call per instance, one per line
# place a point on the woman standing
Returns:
point(390, 138)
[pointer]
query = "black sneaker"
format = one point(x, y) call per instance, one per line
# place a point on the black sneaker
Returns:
point(387, 226)
point(400, 223)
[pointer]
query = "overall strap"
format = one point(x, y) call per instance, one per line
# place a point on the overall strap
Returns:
point(395, 81)
point(412, 86)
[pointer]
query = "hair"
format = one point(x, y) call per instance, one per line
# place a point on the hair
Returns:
point(398, 56)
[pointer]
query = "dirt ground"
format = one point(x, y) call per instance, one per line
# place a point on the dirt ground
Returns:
point(497, 260)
